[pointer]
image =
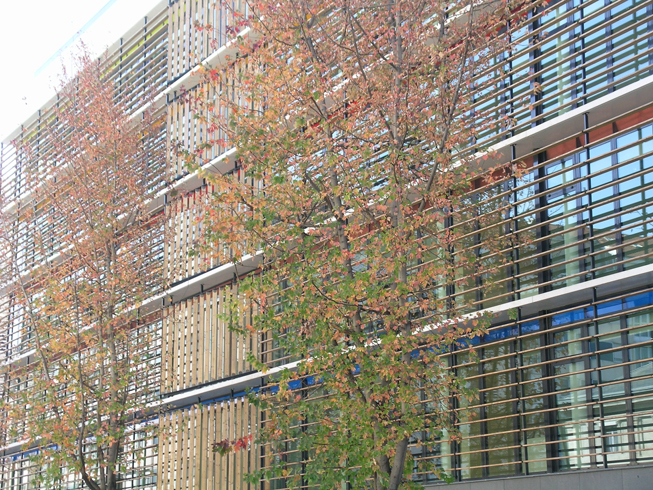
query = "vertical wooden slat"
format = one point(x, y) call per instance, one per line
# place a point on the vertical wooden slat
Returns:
point(192, 342)
point(232, 435)
point(165, 350)
point(178, 34)
point(205, 33)
point(238, 433)
point(177, 448)
point(188, 365)
point(189, 121)
point(172, 333)
point(178, 238)
point(226, 333)
point(188, 260)
point(170, 361)
point(224, 433)
point(199, 203)
point(203, 449)
point(166, 244)
point(211, 439)
point(188, 446)
point(189, 236)
point(176, 328)
point(190, 351)
point(169, 454)
point(179, 269)
point(181, 342)
point(172, 127)
point(247, 456)
point(256, 450)
point(175, 136)
point(217, 343)
point(210, 366)
point(178, 346)
point(202, 343)
point(217, 461)
point(188, 24)
point(235, 428)
point(162, 457)
point(221, 335)
point(166, 457)
point(240, 339)
point(171, 31)
point(195, 448)
point(172, 223)
point(193, 235)
point(234, 336)
point(197, 333)
point(180, 449)
point(206, 328)
point(180, 311)
point(256, 337)
point(253, 341)
point(184, 444)
point(182, 272)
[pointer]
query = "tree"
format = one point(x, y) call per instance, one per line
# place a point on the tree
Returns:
point(80, 255)
point(360, 183)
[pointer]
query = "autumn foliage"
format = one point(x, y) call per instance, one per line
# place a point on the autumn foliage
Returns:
point(353, 121)
point(80, 256)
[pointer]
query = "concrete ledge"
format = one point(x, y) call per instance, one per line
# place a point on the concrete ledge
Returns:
point(628, 98)
point(637, 477)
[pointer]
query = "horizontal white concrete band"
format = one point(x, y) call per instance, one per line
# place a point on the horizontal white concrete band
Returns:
point(201, 282)
point(219, 165)
point(608, 107)
point(632, 279)
point(14, 447)
point(626, 477)
point(220, 388)
point(223, 55)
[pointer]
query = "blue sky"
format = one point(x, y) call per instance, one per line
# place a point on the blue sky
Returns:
point(36, 36)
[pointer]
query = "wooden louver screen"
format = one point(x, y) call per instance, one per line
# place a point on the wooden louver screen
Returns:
point(186, 458)
point(199, 346)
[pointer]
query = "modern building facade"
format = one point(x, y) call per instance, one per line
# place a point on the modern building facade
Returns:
point(566, 388)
